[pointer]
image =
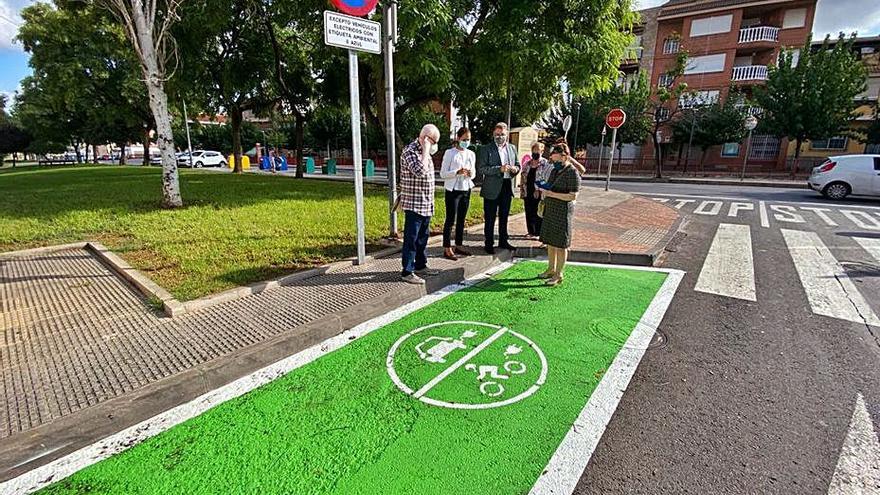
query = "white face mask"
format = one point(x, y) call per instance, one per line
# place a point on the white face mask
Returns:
point(433, 148)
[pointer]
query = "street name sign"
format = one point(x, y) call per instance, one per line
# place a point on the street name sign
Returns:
point(353, 33)
point(355, 7)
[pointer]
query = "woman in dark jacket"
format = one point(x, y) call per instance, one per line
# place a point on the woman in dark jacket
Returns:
point(559, 193)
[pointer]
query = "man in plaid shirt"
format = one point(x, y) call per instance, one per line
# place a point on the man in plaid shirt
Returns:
point(417, 202)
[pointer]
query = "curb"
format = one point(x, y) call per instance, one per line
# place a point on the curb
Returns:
point(704, 182)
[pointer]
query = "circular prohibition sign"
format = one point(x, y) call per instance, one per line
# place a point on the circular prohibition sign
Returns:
point(358, 8)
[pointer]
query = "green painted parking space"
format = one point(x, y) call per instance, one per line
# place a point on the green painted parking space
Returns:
point(471, 394)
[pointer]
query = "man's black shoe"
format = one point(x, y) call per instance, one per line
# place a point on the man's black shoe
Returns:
point(489, 250)
point(507, 246)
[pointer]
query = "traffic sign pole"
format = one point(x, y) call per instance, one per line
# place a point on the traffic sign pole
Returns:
point(354, 89)
point(611, 157)
point(389, 15)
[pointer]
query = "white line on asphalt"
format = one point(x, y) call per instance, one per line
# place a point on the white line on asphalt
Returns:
point(61, 468)
point(661, 200)
point(829, 289)
point(765, 221)
point(729, 268)
point(858, 467)
point(783, 213)
point(821, 213)
point(736, 207)
point(458, 364)
point(871, 245)
point(681, 202)
point(709, 208)
point(571, 458)
point(862, 219)
point(728, 198)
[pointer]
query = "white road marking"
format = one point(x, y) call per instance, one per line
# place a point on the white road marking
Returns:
point(661, 200)
point(871, 245)
point(862, 219)
point(728, 198)
point(736, 207)
point(571, 458)
point(787, 214)
point(821, 213)
point(681, 202)
point(858, 467)
point(729, 268)
point(458, 364)
point(765, 221)
point(829, 289)
point(710, 208)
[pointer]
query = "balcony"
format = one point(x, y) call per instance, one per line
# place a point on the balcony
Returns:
point(749, 73)
point(759, 34)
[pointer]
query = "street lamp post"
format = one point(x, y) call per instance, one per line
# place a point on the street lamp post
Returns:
point(750, 123)
point(189, 148)
point(602, 150)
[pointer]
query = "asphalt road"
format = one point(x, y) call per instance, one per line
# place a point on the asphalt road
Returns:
point(753, 396)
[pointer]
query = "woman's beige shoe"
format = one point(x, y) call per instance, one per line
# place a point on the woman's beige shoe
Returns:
point(547, 274)
point(553, 282)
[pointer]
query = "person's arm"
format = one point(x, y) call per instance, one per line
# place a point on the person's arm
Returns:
point(576, 164)
point(561, 196)
point(483, 163)
point(515, 168)
point(446, 171)
point(411, 161)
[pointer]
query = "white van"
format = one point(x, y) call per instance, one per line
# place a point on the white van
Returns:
point(840, 176)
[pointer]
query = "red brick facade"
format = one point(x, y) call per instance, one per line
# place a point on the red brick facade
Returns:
point(746, 45)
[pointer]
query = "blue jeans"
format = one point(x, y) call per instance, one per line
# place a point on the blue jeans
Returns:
point(415, 242)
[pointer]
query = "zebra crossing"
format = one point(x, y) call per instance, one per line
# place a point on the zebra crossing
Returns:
point(729, 270)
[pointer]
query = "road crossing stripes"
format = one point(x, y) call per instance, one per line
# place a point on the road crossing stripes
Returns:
point(829, 289)
point(871, 245)
point(729, 267)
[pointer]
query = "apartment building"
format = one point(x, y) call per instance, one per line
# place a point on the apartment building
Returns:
point(729, 42)
point(867, 49)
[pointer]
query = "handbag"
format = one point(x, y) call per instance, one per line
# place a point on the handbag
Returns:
point(541, 209)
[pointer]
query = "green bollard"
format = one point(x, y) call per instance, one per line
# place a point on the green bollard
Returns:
point(330, 166)
point(310, 164)
point(369, 168)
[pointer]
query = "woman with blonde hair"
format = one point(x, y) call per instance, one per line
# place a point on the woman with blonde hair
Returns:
point(559, 193)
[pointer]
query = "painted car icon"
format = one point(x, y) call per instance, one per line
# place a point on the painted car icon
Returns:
point(443, 347)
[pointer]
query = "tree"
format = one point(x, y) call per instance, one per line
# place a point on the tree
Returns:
point(664, 109)
point(813, 98)
point(13, 139)
point(147, 24)
point(711, 124)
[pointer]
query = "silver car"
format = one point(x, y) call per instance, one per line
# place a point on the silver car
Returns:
point(839, 176)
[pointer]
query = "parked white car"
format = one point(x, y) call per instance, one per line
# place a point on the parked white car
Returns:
point(840, 176)
point(202, 158)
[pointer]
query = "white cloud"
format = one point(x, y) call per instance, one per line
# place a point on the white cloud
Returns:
point(832, 17)
point(9, 22)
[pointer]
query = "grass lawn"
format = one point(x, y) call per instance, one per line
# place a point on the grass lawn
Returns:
point(233, 231)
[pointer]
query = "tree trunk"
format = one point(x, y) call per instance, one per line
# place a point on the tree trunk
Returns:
point(658, 156)
point(77, 151)
point(95, 153)
point(159, 106)
point(236, 117)
point(299, 123)
point(146, 139)
point(797, 158)
point(678, 162)
point(122, 155)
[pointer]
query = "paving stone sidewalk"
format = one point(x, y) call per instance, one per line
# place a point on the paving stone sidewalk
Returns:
point(83, 354)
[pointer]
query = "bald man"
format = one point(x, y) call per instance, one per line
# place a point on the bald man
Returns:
point(417, 203)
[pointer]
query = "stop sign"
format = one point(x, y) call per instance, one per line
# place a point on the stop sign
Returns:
point(358, 8)
point(615, 118)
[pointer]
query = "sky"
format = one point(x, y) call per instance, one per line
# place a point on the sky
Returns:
point(862, 16)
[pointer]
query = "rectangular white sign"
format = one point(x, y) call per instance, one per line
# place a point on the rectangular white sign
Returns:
point(354, 33)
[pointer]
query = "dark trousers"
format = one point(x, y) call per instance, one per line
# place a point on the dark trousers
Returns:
point(498, 208)
point(533, 221)
point(415, 242)
point(457, 204)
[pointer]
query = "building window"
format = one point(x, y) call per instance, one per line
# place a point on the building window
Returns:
point(795, 56)
point(835, 143)
point(711, 25)
point(671, 45)
point(666, 80)
point(730, 150)
point(706, 64)
point(662, 114)
point(764, 147)
point(794, 18)
point(698, 98)
point(873, 149)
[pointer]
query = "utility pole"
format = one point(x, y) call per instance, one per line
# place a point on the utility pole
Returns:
point(389, 16)
point(189, 147)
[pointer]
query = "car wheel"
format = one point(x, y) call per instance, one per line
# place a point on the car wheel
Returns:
point(836, 190)
point(224, 164)
point(199, 164)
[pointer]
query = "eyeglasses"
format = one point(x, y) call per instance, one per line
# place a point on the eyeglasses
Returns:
point(558, 149)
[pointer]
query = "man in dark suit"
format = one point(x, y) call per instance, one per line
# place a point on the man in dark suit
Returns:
point(499, 166)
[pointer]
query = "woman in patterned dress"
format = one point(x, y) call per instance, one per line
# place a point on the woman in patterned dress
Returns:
point(559, 192)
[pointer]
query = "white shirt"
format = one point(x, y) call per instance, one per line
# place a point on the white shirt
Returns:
point(454, 160)
point(504, 153)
